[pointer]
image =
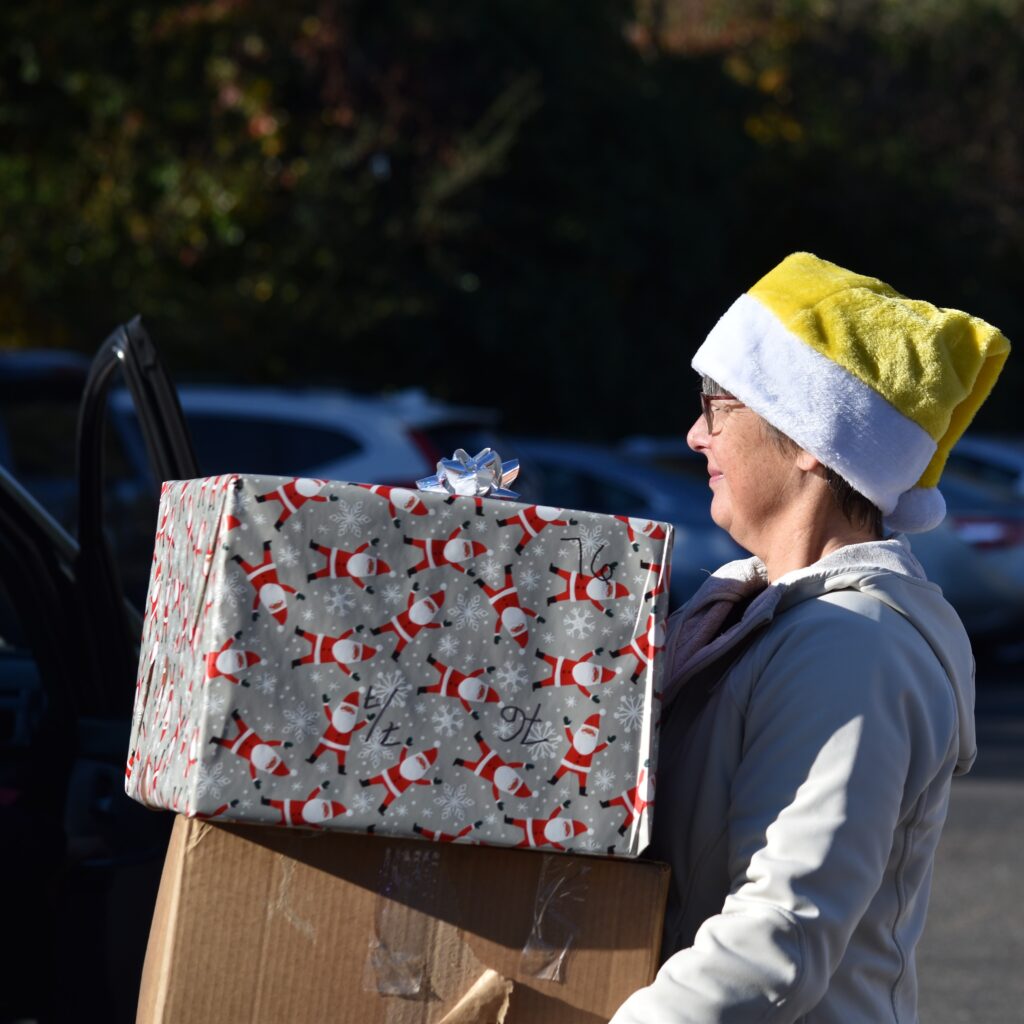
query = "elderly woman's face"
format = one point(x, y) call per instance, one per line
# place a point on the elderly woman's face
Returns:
point(749, 476)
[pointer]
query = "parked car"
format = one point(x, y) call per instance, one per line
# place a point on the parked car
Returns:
point(599, 479)
point(318, 432)
point(996, 462)
point(976, 555)
point(313, 432)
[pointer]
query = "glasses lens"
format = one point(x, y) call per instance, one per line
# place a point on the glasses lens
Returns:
point(709, 414)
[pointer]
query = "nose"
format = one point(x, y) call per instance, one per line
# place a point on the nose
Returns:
point(697, 436)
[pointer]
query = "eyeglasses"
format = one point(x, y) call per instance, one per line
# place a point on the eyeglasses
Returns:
point(708, 409)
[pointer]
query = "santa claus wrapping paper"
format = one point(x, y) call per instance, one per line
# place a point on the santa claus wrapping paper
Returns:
point(434, 663)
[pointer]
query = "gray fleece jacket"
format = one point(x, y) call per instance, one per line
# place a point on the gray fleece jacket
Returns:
point(801, 806)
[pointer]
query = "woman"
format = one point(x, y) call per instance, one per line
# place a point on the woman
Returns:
point(819, 695)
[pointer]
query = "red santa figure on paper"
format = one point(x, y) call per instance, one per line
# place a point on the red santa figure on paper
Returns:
point(451, 552)
point(229, 662)
point(553, 830)
point(532, 520)
point(192, 758)
point(293, 495)
point(356, 566)
point(644, 647)
point(477, 500)
point(501, 774)
point(341, 650)
point(444, 837)
point(309, 813)
point(642, 528)
point(410, 771)
point(511, 615)
point(418, 615)
point(583, 748)
point(399, 499)
point(635, 800)
point(341, 726)
point(580, 587)
point(216, 813)
point(466, 689)
point(270, 591)
point(582, 673)
point(661, 579)
point(260, 753)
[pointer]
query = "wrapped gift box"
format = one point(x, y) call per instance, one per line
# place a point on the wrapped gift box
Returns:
point(369, 658)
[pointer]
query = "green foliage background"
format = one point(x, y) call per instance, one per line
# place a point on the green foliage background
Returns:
point(538, 206)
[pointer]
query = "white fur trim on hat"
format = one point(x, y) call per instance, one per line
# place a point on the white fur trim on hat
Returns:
point(830, 413)
point(919, 509)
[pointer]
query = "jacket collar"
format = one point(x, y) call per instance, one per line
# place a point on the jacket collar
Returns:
point(695, 640)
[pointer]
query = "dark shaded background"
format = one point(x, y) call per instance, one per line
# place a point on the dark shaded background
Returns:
point(388, 193)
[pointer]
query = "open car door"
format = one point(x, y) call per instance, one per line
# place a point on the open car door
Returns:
point(80, 860)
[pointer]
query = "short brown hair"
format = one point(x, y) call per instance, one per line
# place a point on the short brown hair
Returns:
point(857, 509)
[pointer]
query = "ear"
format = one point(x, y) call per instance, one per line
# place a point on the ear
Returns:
point(806, 461)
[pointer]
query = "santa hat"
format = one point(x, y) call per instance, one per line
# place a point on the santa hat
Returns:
point(352, 699)
point(594, 721)
point(876, 386)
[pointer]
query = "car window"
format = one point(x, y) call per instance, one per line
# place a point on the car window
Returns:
point(568, 487)
point(249, 444)
point(38, 432)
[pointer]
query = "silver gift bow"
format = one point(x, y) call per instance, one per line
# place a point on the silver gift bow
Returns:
point(473, 476)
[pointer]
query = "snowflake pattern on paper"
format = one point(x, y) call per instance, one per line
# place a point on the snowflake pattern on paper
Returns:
point(210, 779)
point(286, 555)
point(266, 684)
point(340, 601)
point(214, 703)
point(361, 802)
point(235, 587)
point(579, 623)
point(300, 722)
point(510, 676)
point(528, 579)
point(592, 539)
point(630, 712)
point(392, 688)
point(349, 518)
point(392, 594)
point(492, 572)
point(604, 780)
point(469, 611)
point(447, 720)
point(453, 802)
point(448, 645)
point(543, 740)
point(375, 752)
point(626, 614)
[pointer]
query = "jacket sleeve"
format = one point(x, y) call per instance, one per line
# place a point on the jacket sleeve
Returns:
point(815, 803)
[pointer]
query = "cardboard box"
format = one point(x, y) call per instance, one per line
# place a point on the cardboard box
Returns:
point(265, 925)
point(345, 656)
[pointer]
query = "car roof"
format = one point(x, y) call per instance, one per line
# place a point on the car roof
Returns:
point(412, 407)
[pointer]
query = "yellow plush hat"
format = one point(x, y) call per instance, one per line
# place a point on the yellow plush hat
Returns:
point(876, 386)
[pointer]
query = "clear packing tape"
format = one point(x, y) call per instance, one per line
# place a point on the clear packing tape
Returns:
point(410, 950)
point(561, 891)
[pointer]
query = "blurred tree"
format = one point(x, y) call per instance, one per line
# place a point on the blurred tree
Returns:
point(390, 193)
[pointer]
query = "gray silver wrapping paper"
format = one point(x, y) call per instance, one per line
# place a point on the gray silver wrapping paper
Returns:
point(368, 658)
